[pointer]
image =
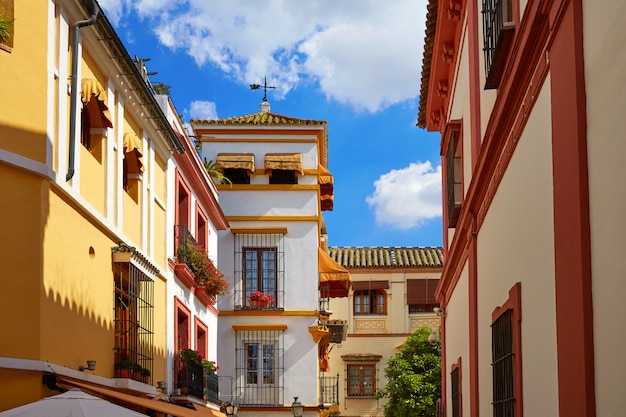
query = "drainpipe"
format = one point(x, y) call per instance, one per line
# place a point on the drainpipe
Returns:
point(74, 86)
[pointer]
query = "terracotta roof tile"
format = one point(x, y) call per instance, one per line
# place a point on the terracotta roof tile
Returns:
point(429, 40)
point(387, 257)
point(260, 118)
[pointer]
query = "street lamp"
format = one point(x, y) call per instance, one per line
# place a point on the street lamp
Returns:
point(231, 409)
point(297, 408)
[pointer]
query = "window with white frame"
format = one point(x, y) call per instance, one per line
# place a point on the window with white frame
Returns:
point(259, 267)
point(260, 366)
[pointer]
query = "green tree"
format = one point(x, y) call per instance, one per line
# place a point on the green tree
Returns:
point(414, 378)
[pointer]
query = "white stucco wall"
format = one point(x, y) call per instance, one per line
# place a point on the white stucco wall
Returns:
point(269, 203)
point(605, 67)
point(522, 211)
point(457, 340)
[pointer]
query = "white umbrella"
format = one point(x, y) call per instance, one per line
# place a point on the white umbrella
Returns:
point(73, 403)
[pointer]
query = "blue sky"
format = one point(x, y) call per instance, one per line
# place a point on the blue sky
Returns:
point(353, 63)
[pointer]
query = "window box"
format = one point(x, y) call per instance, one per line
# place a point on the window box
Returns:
point(338, 330)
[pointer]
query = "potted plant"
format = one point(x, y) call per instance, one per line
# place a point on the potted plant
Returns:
point(210, 366)
point(206, 274)
point(182, 385)
point(123, 368)
point(145, 375)
point(6, 27)
point(190, 355)
point(259, 299)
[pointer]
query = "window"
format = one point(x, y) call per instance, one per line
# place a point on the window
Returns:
point(454, 172)
point(237, 167)
point(420, 295)
point(237, 175)
point(455, 389)
point(283, 176)
point(283, 168)
point(498, 29)
point(370, 302)
point(134, 337)
point(361, 379)
point(183, 326)
point(259, 266)
point(202, 340)
point(95, 117)
point(260, 366)
point(506, 356)
point(202, 234)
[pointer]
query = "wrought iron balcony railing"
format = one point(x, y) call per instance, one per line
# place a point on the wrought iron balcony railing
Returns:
point(183, 242)
point(329, 390)
point(196, 381)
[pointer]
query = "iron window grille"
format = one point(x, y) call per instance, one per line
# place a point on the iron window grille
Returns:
point(502, 365)
point(361, 379)
point(260, 367)
point(498, 29)
point(259, 266)
point(134, 321)
point(329, 389)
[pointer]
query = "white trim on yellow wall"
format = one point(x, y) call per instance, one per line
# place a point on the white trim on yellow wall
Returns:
point(109, 204)
point(117, 178)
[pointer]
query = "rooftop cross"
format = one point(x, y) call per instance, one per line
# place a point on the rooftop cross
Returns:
point(265, 87)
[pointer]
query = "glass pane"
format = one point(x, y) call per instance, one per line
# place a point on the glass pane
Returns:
point(268, 364)
point(252, 363)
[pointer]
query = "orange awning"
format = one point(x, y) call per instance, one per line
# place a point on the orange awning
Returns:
point(132, 153)
point(286, 161)
point(91, 89)
point(235, 160)
point(335, 280)
point(325, 177)
point(163, 407)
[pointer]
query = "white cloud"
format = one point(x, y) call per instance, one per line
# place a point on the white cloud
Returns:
point(364, 53)
point(203, 110)
point(408, 197)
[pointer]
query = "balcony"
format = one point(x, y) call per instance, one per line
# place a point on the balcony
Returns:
point(329, 394)
point(195, 269)
point(338, 330)
point(195, 382)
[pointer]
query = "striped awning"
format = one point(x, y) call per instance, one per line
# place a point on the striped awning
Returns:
point(132, 153)
point(286, 161)
point(235, 160)
point(95, 99)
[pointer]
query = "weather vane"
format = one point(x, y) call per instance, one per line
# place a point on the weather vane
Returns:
point(265, 87)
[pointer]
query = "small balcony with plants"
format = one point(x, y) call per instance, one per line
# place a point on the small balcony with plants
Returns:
point(195, 377)
point(195, 269)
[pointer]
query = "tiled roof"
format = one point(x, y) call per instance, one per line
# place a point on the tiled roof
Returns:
point(261, 118)
point(387, 257)
point(429, 40)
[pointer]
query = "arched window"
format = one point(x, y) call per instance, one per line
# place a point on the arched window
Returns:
point(370, 302)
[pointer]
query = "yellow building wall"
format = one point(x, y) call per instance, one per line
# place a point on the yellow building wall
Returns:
point(78, 288)
point(160, 237)
point(160, 329)
point(24, 75)
point(132, 197)
point(24, 214)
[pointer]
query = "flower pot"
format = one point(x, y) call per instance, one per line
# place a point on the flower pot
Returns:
point(259, 304)
point(202, 293)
